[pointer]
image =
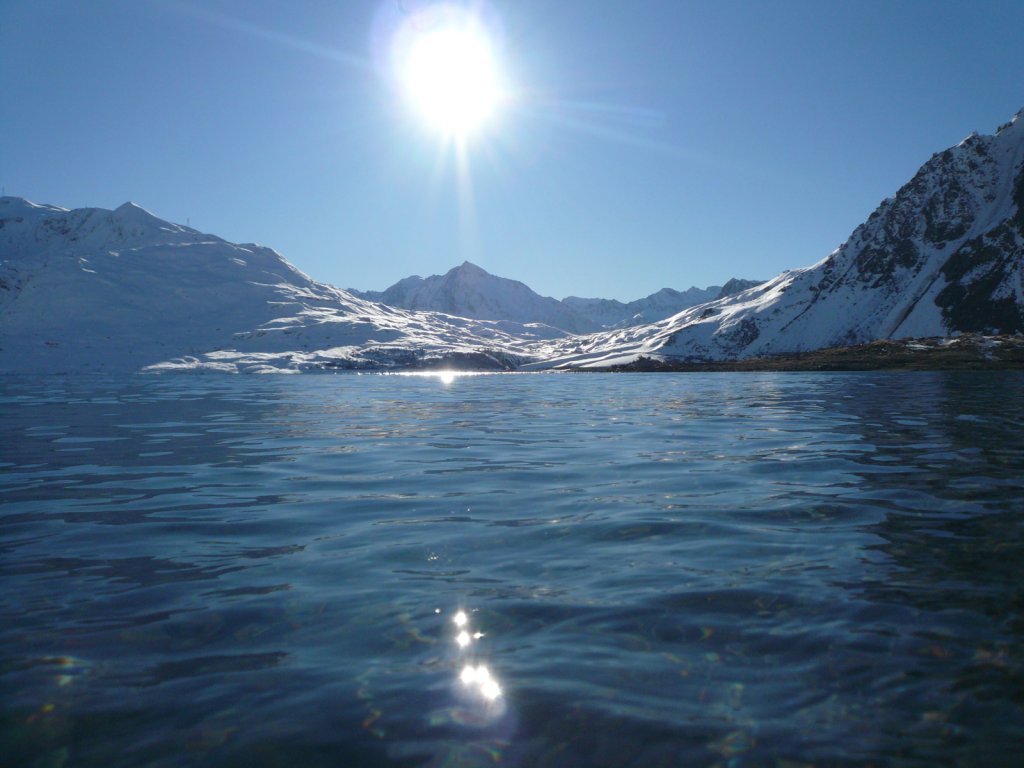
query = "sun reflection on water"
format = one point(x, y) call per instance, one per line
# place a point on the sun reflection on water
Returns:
point(476, 685)
point(479, 678)
point(445, 376)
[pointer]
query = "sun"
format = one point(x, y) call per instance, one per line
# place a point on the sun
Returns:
point(448, 71)
point(451, 81)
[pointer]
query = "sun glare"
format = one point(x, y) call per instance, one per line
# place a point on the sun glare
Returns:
point(451, 80)
point(447, 68)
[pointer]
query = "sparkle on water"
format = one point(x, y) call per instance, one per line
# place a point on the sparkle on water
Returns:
point(476, 678)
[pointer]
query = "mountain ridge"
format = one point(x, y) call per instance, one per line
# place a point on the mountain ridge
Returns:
point(468, 290)
point(92, 289)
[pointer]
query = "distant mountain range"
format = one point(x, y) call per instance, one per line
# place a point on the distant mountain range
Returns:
point(93, 289)
point(612, 314)
point(469, 291)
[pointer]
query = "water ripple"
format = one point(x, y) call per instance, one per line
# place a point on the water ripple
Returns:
point(655, 570)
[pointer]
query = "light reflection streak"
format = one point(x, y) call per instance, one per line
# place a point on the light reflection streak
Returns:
point(446, 377)
point(630, 137)
point(476, 684)
point(470, 237)
point(234, 24)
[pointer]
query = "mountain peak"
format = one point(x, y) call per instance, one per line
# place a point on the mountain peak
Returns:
point(470, 291)
point(1014, 122)
point(135, 213)
point(471, 268)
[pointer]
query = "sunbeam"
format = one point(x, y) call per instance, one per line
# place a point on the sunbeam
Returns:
point(270, 35)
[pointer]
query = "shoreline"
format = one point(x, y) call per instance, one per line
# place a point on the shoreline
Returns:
point(960, 353)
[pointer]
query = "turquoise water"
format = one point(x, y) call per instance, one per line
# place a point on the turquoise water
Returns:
point(649, 570)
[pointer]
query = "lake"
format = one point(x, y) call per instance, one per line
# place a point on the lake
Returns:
point(512, 570)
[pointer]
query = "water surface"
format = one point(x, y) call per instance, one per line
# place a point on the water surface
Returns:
point(654, 570)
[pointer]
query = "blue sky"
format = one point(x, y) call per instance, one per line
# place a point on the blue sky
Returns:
point(648, 143)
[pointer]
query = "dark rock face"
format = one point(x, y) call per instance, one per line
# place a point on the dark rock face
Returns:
point(937, 207)
point(984, 276)
point(741, 335)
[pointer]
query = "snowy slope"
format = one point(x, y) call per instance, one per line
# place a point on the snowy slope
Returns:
point(469, 291)
point(92, 289)
point(944, 256)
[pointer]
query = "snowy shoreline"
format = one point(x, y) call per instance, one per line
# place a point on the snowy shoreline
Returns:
point(962, 353)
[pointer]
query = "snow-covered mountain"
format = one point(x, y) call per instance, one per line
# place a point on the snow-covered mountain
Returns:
point(93, 289)
point(609, 313)
point(942, 257)
point(470, 291)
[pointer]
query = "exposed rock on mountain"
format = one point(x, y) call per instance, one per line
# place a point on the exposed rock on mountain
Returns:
point(736, 285)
